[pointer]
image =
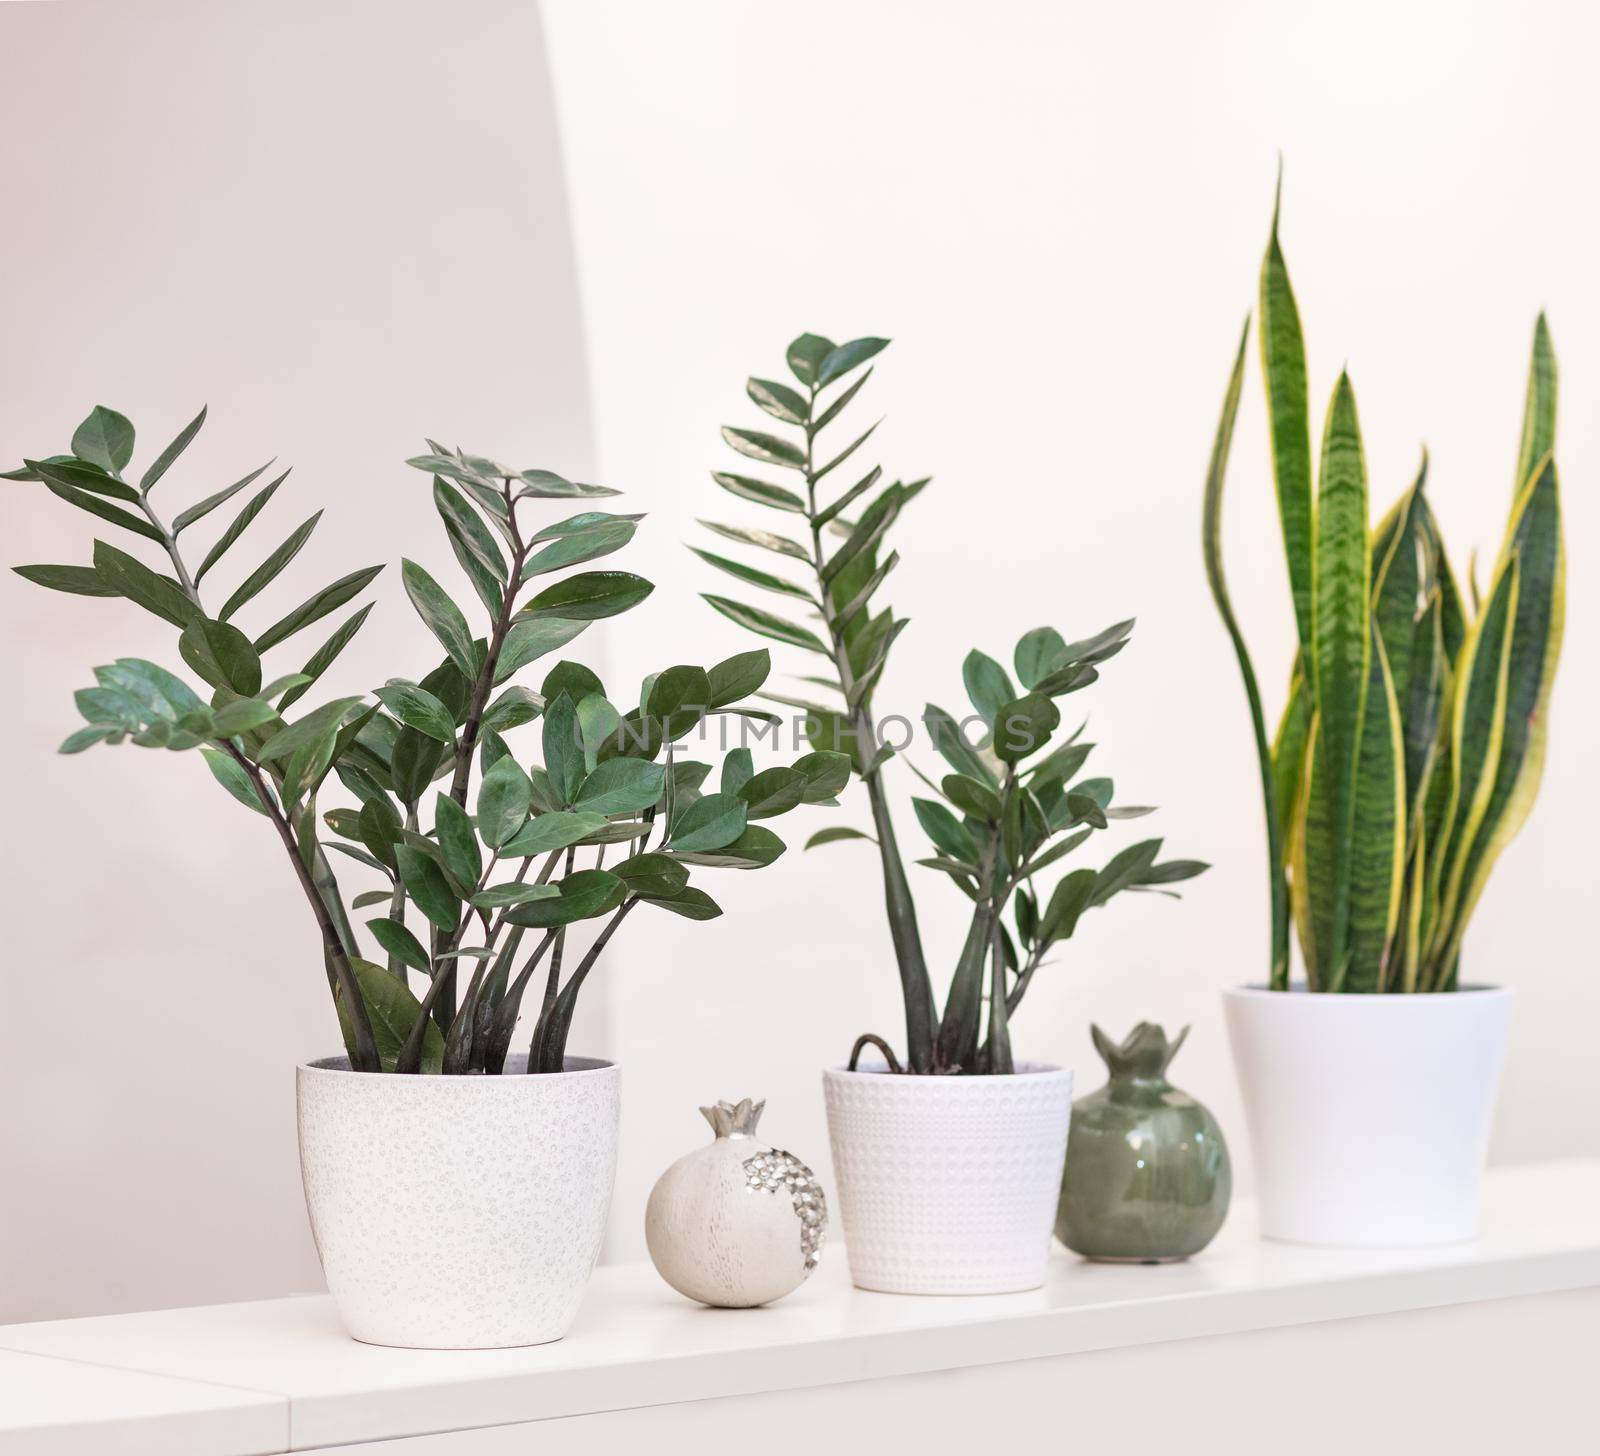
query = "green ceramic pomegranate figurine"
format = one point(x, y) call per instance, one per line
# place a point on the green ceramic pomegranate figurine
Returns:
point(1147, 1179)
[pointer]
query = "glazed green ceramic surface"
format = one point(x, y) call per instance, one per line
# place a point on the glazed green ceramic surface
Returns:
point(1147, 1177)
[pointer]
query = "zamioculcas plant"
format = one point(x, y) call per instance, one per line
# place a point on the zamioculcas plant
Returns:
point(1411, 746)
point(1011, 806)
point(516, 851)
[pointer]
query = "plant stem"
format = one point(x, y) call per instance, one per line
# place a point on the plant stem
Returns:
point(915, 985)
point(554, 1051)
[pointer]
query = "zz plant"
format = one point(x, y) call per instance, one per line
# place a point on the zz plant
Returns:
point(1012, 805)
point(515, 851)
point(1412, 742)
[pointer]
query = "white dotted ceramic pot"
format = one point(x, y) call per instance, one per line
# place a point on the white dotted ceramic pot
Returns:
point(948, 1185)
point(458, 1212)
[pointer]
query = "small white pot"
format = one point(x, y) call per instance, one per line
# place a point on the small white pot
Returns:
point(948, 1185)
point(458, 1212)
point(1369, 1114)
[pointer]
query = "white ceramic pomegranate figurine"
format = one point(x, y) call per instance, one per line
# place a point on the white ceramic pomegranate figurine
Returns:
point(736, 1223)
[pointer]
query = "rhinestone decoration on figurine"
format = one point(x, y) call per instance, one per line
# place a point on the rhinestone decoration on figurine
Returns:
point(736, 1223)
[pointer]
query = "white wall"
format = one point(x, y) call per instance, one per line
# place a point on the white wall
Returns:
point(1057, 212)
point(343, 226)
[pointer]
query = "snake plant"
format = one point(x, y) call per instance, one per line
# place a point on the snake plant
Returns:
point(1012, 804)
point(1412, 742)
point(493, 865)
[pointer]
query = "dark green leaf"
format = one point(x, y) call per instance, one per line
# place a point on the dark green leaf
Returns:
point(834, 834)
point(244, 715)
point(547, 485)
point(765, 624)
point(1174, 870)
point(104, 509)
point(1023, 726)
point(825, 773)
point(329, 599)
point(762, 492)
point(236, 527)
point(772, 792)
point(738, 676)
point(579, 546)
point(779, 401)
point(323, 657)
point(552, 831)
point(589, 596)
point(393, 1012)
point(1037, 653)
point(1130, 867)
point(709, 823)
point(83, 581)
point(135, 581)
point(164, 461)
point(971, 797)
point(473, 544)
point(233, 778)
point(756, 848)
point(654, 876)
point(400, 943)
point(1070, 900)
point(514, 707)
point(951, 743)
point(572, 678)
point(563, 748)
point(769, 449)
point(836, 363)
point(186, 518)
point(441, 616)
point(270, 568)
point(308, 730)
point(426, 884)
point(104, 439)
point(755, 577)
point(621, 786)
point(767, 540)
point(80, 475)
point(846, 453)
point(844, 502)
point(458, 840)
point(583, 895)
point(947, 832)
point(529, 640)
point(504, 795)
point(805, 355)
point(417, 708)
point(691, 903)
point(738, 768)
point(988, 687)
point(497, 897)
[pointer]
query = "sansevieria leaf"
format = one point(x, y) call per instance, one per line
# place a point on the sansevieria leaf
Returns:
point(1378, 852)
point(1539, 413)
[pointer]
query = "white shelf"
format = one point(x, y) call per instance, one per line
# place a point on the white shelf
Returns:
point(229, 1370)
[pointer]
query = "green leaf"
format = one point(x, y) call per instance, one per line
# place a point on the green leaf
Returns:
point(86, 738)
point(270, 568)
point(762, 492)
point(805, 356)
point(580, 522)
point(825, 773)
point(514, 707)
point(988, 687)
point(548, 832)
point(82, 581)
point(320, 660)
point(574, 547)
point(504, 796)
point(755, 849)
point(769, 449)
point(236, 527)
point(97, 507)
point(772, 792)
point(589, 596)
point(80, 475)
point(845, 453)
point(834, 835)
point(1342, 646)
point(244, 715)
point(233, 778)
point(426, 884)
point(971, 797)
point(1539, 413)
point(1069, 900)
point(738, 676)
point(583, 895)
point(441, 616)
point(860, 488)
point(767, 540)
point(135, 581)
point(621, 786)
point(709, 823)
point(1037, 653)
point(691, 903)
point(947, 832)
point(417, 708)
point(1023, 726)
point(308, 730)
point(1124, 869)
point(186, 518)
point(1283, 358)
point(314, 608)
point(765, 624)
point(104, 439)
point(738, 768)
point(764, 579)
point(473, 544)
point(654, 876)
point(400, 943)
point(1086, 809)
point(222, 655)
point(458, 840)
point(497, 897)
point(530, 640)
point(393, 1012)
point(1174, 870)
point(164, 461)
point(563, 749)
point(547, 485)
point(951, 743)
point(836, 363)
point(779, 401)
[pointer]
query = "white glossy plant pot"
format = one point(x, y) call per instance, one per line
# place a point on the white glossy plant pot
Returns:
point(1369, 1115)
point(948, 1185)
point(458, 1212)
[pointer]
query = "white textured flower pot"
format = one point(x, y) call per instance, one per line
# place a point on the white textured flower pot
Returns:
point(948, 1185)
point(458, 1212)
point(1369, 1115)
